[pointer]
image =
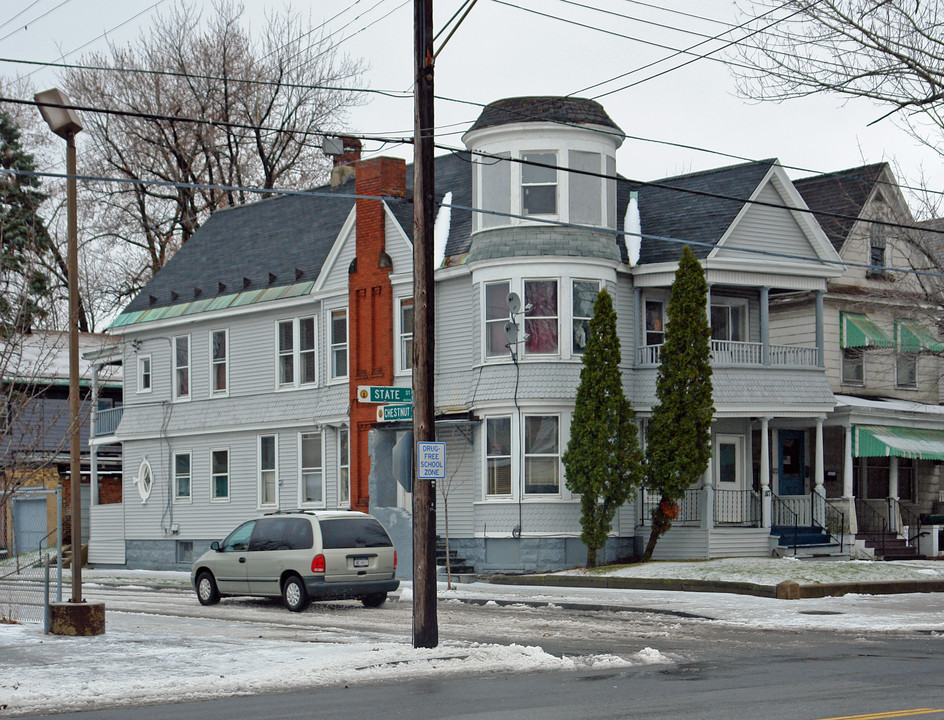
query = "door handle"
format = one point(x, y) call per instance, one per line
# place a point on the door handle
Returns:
point(242, 559)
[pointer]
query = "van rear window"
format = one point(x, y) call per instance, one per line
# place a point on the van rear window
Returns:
point(282, 534)
point(353, 533)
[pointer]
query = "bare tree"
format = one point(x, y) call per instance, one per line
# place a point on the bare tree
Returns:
point(262, 98)
point(888, 51)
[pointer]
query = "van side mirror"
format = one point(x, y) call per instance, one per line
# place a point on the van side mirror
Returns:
point(215, 545)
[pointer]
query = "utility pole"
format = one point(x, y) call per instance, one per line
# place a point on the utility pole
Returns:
point(425, 627)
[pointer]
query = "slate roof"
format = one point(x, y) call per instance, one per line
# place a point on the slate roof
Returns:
point(665, 212)
point(564, 110)
point(843, 193)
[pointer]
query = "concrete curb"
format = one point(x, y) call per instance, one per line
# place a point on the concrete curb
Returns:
point(787, 590)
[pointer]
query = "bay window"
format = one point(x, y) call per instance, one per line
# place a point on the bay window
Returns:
point(496, 315)
point(540, 312)
point(584, 295)
point(538, 184)
point(541, 454)
point(498, 456)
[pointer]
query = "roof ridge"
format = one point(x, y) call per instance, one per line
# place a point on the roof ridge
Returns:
point(713, 171)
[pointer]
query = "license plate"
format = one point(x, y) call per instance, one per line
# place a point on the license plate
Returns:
point(361, 562)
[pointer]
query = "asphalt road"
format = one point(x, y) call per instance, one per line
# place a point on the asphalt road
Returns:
point(721, 671)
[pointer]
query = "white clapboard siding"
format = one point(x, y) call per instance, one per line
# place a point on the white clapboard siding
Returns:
point(107, 534)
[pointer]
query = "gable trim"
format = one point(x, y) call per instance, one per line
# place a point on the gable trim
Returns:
point(346, 233)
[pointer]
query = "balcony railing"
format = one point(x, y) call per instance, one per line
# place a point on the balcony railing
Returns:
point(106, 421)
point(729, 352)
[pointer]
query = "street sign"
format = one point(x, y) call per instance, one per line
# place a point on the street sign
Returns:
point(431, 461)
point(386, 413)
point(384, 394)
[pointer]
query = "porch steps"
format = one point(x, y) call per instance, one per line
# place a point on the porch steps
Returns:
point(805, 536)
point(457, 565)
point(889, 546)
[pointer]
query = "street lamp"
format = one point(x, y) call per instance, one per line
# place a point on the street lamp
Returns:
point(64, 121)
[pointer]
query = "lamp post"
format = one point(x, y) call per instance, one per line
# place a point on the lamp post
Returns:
point(64, 121)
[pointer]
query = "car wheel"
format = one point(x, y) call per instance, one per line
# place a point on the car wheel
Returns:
point(207, 593)
point(295, 594)
point(375, 600)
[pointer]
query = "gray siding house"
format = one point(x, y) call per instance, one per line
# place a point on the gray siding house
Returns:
point(243, 357)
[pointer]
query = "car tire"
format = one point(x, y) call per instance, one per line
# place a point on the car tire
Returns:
point(375, 600)
point(207, 592)
point(294, 594)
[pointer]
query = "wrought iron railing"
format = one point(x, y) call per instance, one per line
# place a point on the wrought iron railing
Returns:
point(871, 522)
point(786, 518)
point(737, 507)
point(829, 518)
point(689, 507)
point(909, 518)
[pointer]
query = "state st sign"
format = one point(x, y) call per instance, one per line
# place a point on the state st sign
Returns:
point(384, 394)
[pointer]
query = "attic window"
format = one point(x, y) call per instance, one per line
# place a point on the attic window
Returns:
point(538, 184)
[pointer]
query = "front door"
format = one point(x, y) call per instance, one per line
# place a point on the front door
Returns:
point(792, 462)
point(731, 500)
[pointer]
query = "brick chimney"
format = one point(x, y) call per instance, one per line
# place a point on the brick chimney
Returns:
point(370, 307)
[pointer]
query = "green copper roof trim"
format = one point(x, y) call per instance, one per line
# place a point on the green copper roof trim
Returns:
point(249, 297)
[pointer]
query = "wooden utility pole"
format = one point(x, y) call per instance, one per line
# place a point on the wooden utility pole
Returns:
point(425, 627)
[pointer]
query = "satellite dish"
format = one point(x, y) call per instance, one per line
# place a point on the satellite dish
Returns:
point(514, 303)
point(511, 333)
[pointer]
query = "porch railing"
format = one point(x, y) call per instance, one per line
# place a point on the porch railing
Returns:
point(689, 507)
point(830, 519)
point(793, 355)
point(737, 507)
point(871, 522)
point(909, 519)
point(729, 352)
point(106, 421)
point(783, 516)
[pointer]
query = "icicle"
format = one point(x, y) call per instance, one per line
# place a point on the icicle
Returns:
point(632, 227)
point(441, 230)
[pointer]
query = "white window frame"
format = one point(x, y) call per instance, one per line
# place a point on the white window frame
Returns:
point(335, 347)
point(525, 455)
point(302, 470)
point(214, 498)
point(729, 304)
point(523, 168)
point(144, 480)
point(486, 321)
point(645, 325)
point(178, 498)
point(511, 494)
point(140, 389)
point(525, 317)
point(295, 353)
point(857, 382)
point(404, 339)
point(214, 362)
point(260, 470)
point(187, 368)
point(904, 358)
point(344, 468)
point(574, 318)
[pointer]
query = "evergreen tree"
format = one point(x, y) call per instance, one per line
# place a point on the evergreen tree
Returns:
point(24, 283)
point(602, 461)
point(678, 441)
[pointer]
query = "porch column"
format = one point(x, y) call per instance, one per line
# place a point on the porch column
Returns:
point(766, 501)
point(819, 509)
point(820, 345)
point(93, 448)
point(765, 324)
point(894, 517)
point(708, 304)
point(847, 465)
point(708, 499)
point(639, 325)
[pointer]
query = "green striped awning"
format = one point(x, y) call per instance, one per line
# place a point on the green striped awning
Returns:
point(857, 331)
point(912, 337)
point(893, 441)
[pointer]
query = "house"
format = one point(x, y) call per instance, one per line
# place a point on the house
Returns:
point(35, 438)
point(885, 437)
point(243, 357)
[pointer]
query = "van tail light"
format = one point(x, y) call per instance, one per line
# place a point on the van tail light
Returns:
point(394, 559)
point(318, 564)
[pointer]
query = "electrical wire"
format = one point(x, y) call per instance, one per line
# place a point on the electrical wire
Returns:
point(30, 22)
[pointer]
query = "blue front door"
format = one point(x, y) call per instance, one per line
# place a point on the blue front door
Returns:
point(792, 462)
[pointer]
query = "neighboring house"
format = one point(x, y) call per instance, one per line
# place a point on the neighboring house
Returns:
point(243, 357)
point(885, 438)
point(34, 434)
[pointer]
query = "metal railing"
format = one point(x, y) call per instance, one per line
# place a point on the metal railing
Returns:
point(909, 519)
point(785, 517)
point(730, 352)
point(689, 507)
point(871, 522)
point(106, 421)
point(827, 517)
point(737, 507)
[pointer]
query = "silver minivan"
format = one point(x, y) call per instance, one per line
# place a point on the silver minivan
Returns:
point(301, 556)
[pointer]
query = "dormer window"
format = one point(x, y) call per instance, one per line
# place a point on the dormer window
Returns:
point(538, 184)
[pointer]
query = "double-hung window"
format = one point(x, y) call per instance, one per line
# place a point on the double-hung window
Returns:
point(296, 352)
point(584, 295)
point(144, 373)
point(541, 454)
point(338, 344)
point(406, 333)
point(539, 183)
point(498, 456)
point(182, 367)
point(853, 366)
point(219, 475)
point(906, 361)
point(268, 470)
point(344, 468)
point(727, 322)
point(311, 488)
point(219, 362)
point(540, 317)
point(496, 315)
point(182, 476)
point(655, 329)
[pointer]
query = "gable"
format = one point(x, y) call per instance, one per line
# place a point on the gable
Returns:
point(334, 272)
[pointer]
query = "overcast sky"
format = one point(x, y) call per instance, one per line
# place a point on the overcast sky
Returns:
point(502, 51)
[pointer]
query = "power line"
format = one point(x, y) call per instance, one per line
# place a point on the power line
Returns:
point(36, 19)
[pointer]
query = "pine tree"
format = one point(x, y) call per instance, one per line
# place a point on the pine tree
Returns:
point(678, 441)
point(24, 283)
point(602, 461)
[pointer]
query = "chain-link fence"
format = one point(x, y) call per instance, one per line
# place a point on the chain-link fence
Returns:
point(33, 532)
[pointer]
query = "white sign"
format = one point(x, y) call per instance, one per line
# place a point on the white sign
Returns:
point(431, 461)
